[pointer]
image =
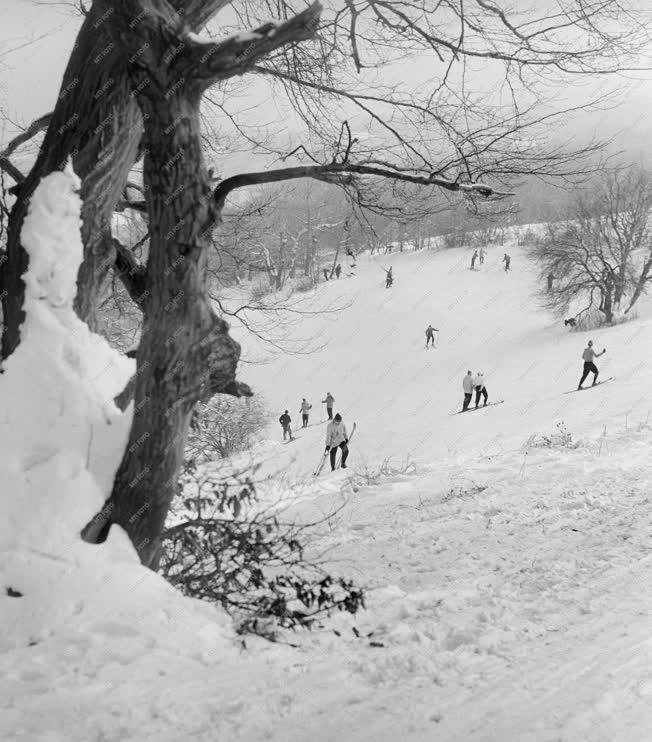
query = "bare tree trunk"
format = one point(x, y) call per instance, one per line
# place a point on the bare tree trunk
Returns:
point(641, 283)
point(180, 330)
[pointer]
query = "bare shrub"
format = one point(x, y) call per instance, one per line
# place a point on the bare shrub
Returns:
point(563, 438)
point(220, 548)
point(225, 426)
point(372, 476)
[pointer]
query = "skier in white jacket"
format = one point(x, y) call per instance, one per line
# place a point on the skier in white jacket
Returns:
point(337, 437)
point(480, 389)
point(467, 386)
point(305, 411)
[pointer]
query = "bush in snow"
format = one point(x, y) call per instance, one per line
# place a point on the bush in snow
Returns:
point(220, 549)
point(367, 476)
point(563, 438)
point(224, 426)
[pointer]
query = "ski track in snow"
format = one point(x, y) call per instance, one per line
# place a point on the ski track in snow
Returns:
point(508, 583)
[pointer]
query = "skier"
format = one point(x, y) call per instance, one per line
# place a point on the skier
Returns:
point(389, 279)
point(304, 410)
point(430, 335)
point(482, 256)
point(337, 437)
point(551, 278)
point(338, 270)
point(325, 272)
point(473, 259)
point(480, 389)
point(285, 421)
point(330, 399)
point(467, 385)
point(588, 357)
point(507, 260)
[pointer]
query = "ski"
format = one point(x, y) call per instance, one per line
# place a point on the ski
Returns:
point(590, 386)
point(475, 409)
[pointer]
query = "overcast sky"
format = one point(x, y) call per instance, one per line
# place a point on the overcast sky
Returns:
point(35, 41)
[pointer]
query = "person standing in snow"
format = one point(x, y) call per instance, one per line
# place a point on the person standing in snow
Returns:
point(467, 386)
point(482, 256)
point(480, 389)
point(589, 357)
point(338, 270)
point(285, 421)
point(389, 279)
point(473, 259)
point(430, 335)
point(337, 437)
point(330, 401)
point(507, 260)
point(305, 410)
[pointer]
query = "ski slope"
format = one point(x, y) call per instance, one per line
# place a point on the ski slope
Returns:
point(507, 578)
point(375, 364)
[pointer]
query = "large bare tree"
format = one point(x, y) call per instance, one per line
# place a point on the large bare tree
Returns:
point(133, 88)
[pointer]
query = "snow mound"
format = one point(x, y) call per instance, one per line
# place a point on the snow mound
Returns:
point(61, 441)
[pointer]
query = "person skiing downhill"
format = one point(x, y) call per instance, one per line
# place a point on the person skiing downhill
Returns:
point(467, 386)
point(480, 389)
point(589, 357)
point(330, 401)
point(285, 421)
point(305, 410)
point(482, 256)
point(507, 260)
point(389, 279)
point(473, 259)
point(337, 437)
point(430, 335)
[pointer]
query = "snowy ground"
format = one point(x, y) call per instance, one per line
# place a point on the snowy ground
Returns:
point(508, 582)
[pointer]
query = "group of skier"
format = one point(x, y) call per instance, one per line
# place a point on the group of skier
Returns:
point(336, 433)
point(471, 383)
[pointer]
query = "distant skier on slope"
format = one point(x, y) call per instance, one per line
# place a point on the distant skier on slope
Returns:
point(325, 272)
point(473, 259)
point(338, 270)
point(467, 386)
point(482, 253)
point(507, 260)
point(480, 389)
point(337, 437)
point(588, 357)
point(285, 421)
point(305, 411)
point(430, 335)
point(389, 278)
point(330, 401)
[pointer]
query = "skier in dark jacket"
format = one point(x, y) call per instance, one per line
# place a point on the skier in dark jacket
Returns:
point(430, 335)
point(507, 260)
point(338, 270)
point(473, 259)
point(325, 272)
point(285, 421)
point(389, 279)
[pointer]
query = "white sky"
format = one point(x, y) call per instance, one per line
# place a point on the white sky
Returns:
point(37, 35)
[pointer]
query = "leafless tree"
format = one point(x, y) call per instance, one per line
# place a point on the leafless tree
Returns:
point(132, 90)
point(601, 256)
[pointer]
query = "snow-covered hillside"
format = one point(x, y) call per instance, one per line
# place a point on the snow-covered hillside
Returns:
point(507, 574)
point(401, 395)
